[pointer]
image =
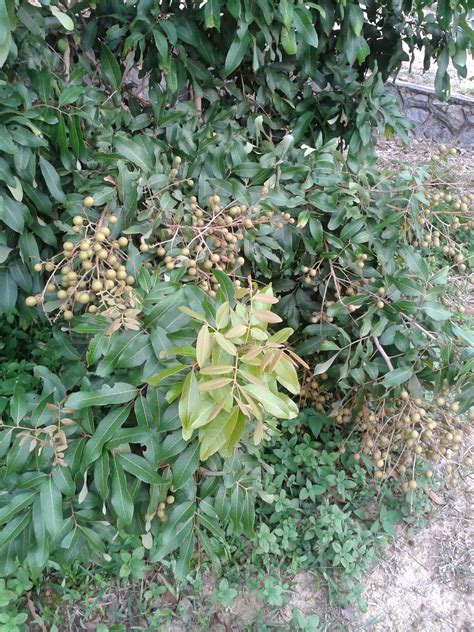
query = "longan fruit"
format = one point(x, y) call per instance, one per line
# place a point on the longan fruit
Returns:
point(77, 220)
point(88, 201)
point(122, 241)
point(68, 315)
point(31, 301)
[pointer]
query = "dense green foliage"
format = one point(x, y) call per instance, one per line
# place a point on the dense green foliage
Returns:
point(171, 251)
point(317, 509)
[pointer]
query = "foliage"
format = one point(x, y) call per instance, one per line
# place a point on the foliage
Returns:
point(236, 373)
point(319, 511)
point(300, 458)
point(154, 221)
point(72, 122)
point(111, 449)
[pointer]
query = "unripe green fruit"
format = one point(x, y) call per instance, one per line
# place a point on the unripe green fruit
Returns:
point(62, 45)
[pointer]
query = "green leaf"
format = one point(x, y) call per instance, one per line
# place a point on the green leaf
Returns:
point(226, 288)
point(212, 14)
point(322, 367)
point(270, 402)
point(304, 26)
point(225, 344)
point(63, 480)
point(415, 262)
point(5, 34)
point(18, 404)
point(140, 468)
point(217, 433)
point(185, 465)
point(14, 528)
point(287, 375)
point(51, 179)
point(183, 560)
point(110, 67)
point(436, 311)
point(13, 213)
point(119, 393)
point(288, 41)
point(203, 346)
point(356, 18)
point(202, 415)
point(121, 499)
point(162, 375)
point(8, 291)
point(104, 432)
point(397, 376)
point(223, 316)
point(188, 402)
point(133, 152)
point(101, 475)
point(236, 53)
point(65, 21)
point(19, 502)
point(52, 507)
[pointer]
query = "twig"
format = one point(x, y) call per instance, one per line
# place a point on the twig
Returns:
point(388, 362)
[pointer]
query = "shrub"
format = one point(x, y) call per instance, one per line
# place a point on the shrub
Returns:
point(146, 229)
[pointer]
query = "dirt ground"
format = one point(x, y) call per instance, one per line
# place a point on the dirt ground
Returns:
point(426, 583)
point(459, 85)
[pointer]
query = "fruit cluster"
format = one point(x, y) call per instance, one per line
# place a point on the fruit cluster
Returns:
point(90, 273)
point(201, 236)
point(313, 393)
point(396, 434)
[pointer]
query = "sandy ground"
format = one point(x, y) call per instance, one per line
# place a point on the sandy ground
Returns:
point(426, 582)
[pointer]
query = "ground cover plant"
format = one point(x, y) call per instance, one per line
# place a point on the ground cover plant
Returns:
point(197, 244)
